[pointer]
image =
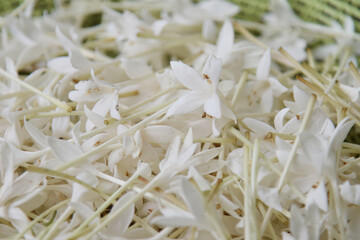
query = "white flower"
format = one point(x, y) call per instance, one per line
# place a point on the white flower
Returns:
point(204, 90)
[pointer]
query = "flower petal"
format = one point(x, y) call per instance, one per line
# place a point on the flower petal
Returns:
point(212, 70)
point(209, 30)
point(187, 76)
point(263, 70)
point(186, 104)
point(212, 106)
point(193, 200)
point(225, 40)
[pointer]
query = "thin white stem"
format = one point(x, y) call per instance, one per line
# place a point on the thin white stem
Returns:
point(239, 87)
point(36, 91)
point(295, 146)
point(253, 181)
point(343, 62)
point(247, 207)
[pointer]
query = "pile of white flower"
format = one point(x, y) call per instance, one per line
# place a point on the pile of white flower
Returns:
point(171, 120)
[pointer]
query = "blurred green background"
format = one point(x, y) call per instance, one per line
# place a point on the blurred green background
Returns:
point(318, 11)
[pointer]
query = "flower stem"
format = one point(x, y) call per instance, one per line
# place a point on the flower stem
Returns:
point(36, 91)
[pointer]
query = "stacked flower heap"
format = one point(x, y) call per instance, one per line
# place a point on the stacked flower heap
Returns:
point(170, 119)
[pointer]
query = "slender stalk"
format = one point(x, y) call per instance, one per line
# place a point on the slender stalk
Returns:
point(339, 70)
point(36, 91)
point(50, 172)
point(295, 146)
point(354, 71)
point(247, 202)
point(253, 190)
point(238, 88)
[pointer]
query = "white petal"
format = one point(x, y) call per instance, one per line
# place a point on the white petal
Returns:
point(135, 68)
point(267, 100)
point(339, 135)
point(298, 224)
point(212, 106)
point(64, 150)
point(81, 193)
point(114, 112)
point(301, 98)
point(279, 118)
point(16, 216)
point(270, 197)
point(174, 221)
point(65, 41)
point(219, 10)
point(277, 87)
point(286, 236)
point(349, 25)
point(78, 60)
point(350, 193)
point(314, 149)
point(6, 232)
point(209, 30)
point(206, 155)
point(187, 76)
point(225, 86)
point(258, 127)
point(263, 69)
point(353, 223)
point(36, 134)
point(318, 196)
point(6, 169)
point(225, 41)
point(234, 162)
point(194, 200)
point(210, 167)
point(119, 225)
point(61, 65)
point(186, 104)
point(212, 70)
point(160, 134)
point(158, 26)
point(60, 125)
point(94, 119)
point(215, 129)
point(200, 181)
point(82, 209)
point(352, 92)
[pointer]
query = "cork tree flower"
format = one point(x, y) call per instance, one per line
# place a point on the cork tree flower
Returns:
point(203, 90)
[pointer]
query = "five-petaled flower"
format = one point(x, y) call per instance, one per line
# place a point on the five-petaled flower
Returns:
point(204, 90)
